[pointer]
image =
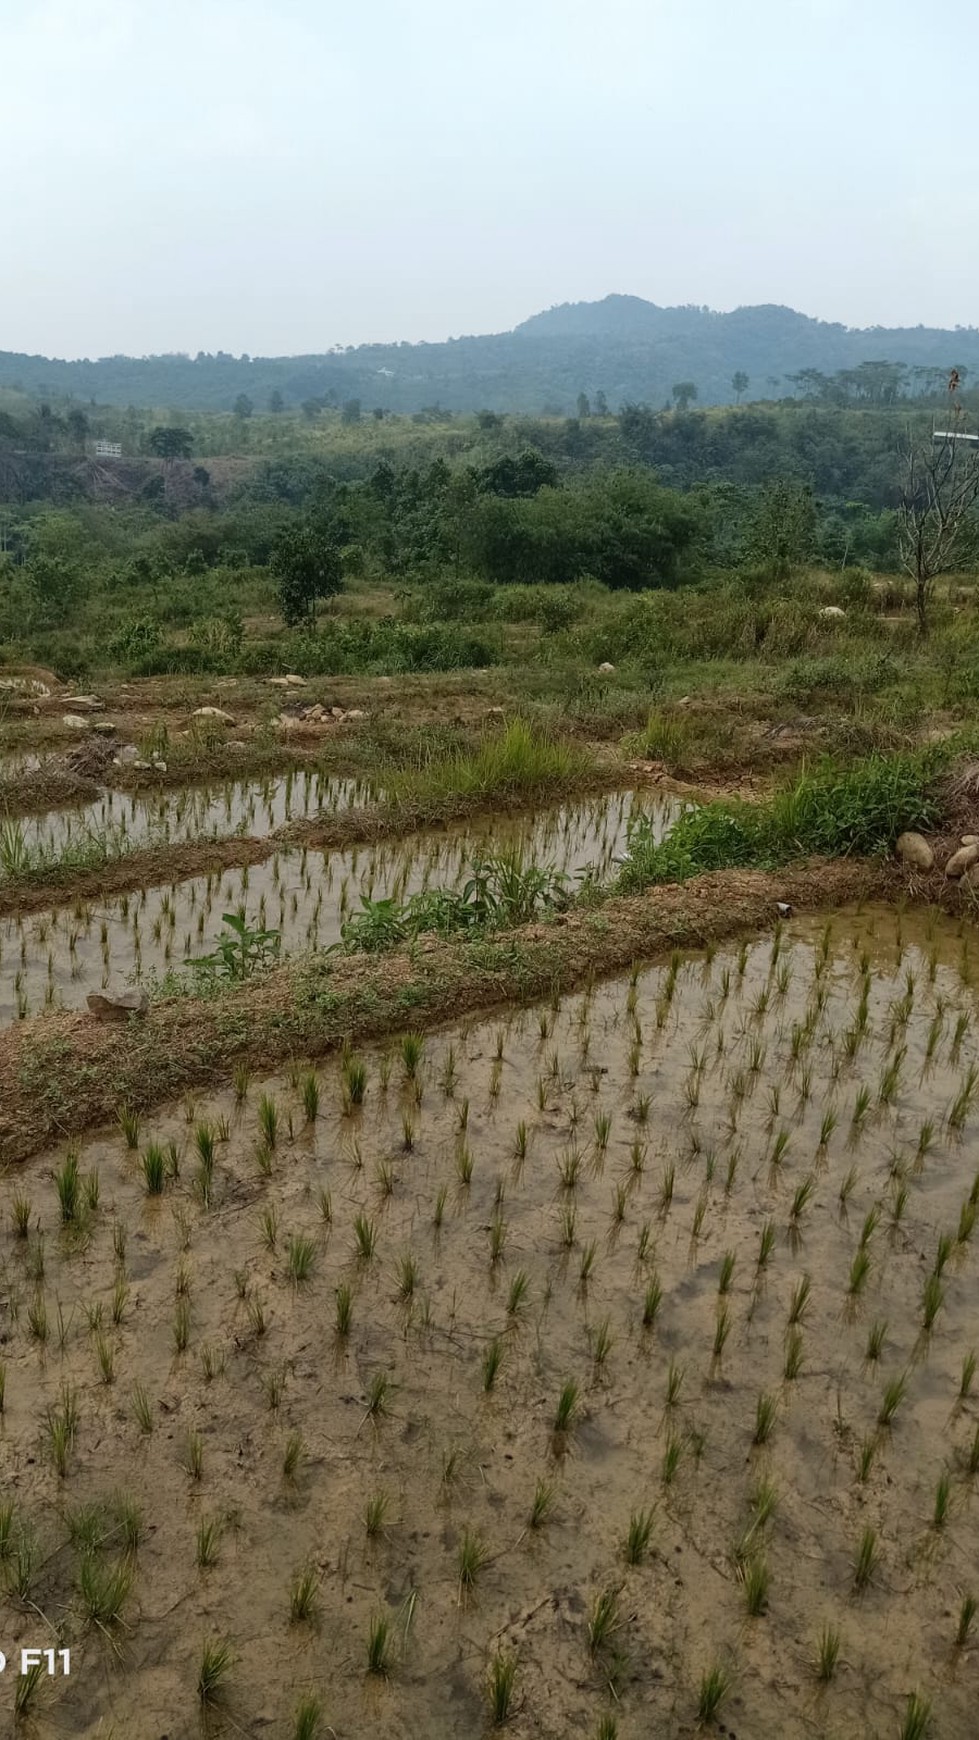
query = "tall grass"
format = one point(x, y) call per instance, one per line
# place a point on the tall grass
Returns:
point(519, 762)
point(831, 810)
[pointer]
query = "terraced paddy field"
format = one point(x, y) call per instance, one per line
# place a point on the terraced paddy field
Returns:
point(602, 1366)
point(53, 958)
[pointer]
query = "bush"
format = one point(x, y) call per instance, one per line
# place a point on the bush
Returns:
point(832, 812)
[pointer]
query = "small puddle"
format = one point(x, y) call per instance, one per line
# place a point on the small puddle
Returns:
point(54, 959)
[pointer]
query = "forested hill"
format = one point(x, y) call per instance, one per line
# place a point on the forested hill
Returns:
point(612, 352)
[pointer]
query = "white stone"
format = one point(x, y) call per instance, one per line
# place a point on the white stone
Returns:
point(914, 849)
point(606, 669)
point(117, 1005)
point(832, 610)
point(962, 860)
point(213, 713)
point(74, 721)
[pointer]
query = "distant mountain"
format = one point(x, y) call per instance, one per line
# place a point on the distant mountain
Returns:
point(623, 347)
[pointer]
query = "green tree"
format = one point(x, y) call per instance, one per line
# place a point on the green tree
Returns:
point(276, 401)
point(243, 406)
point(307, 563)
point(77, 423)
point(170, 443)
point(938, 529)
point(684, 393)
point(601, 405)
point(781, 533)
point(351, 411)
point(584, 408)
point(740, 384)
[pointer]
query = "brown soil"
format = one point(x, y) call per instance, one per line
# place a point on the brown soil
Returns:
point(667, 1123)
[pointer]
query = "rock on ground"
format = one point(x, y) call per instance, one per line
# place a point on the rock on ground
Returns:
point(117, 1005)
point(914, 849)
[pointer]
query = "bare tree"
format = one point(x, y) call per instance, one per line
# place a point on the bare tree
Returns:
point(939, 492)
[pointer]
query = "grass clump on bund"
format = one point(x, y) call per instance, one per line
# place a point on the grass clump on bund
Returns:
point(519, 762)
point(831, 812)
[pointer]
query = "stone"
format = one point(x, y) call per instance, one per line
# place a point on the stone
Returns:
point(117, 1005)
point(962, 860)
point(125, 755)
point(294, 680)
point(213, 713)
point(356, 713)
point(970, 840)
point(104, 727)
point(313, 712)
point(158, 765)
point(85, 703)
point(914, 849)
point(605, 669)
point(336, 712)
point(75, 721)
point(832, 610)
point(497, 713)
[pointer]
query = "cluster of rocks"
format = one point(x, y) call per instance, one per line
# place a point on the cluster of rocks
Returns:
point(962, 864)
point(129, 756)
point(317, 715)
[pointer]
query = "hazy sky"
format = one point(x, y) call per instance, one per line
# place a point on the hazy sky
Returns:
point(277, 176)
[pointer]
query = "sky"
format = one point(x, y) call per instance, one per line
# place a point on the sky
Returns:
point(280, 176)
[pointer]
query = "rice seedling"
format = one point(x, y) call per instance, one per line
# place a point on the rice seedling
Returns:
point(304, 1595)
point(268, 1122)
point(268, 1222)
point(300, 1259)
point(666, 1189)
point(755, 1580)
point(891, 1400)
point(699, 1215)
point(638, 1536)
point(652, 1300)
point(27, 1685)
point(105, 1358)
point(829, 1122)
point(793, 1355)
point(308, 1717)
point(217, 1660)
point(827, 1653)
point(672, 1454)
point(412, 1048)
point(715, 1683)
point(473, 1557)
point(502, 1678)
point(492, 1360)
point(378, 1393)
point(68, 1185)
point(311, 1096)
point(726, 1273)
point(193, 1459)
point(861, 1106)
point(438, 1213)
point(917, 1717)
point(208, 1542)
point(20, 1213)
point(542, 1503)
point(344, 1309)
point(722, 1329)
point(802, 1198)
point(464, 1165)
point(569, 1222)
point(967, 1613)
point(943, 1496)
point(375, 1511)
point(601, 1343)
point(273, 1385)
point(766, 1244)
point(517, 1295)
point(799, 1303)
point(967, 1222)
point(766, 1414)
point(242, 1081)
point(378, 1644)
point(566, 1412)
point(972, 1458)
point(181, 1325)
point(293, 1457)
point(865, 1563)
point(932, 1300)
point(859, 1272)
point(142, 1408)
point(604, 1620)
point(497, 1237)
point(876, 1337)
point(674, 1383)
point(104, 1589)
point(365, 1234)
point(127, 1118)
point(37, 1317)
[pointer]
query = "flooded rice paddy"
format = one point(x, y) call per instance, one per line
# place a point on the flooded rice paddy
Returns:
point(54, 959)
point(630, 1340)
point(255, 807)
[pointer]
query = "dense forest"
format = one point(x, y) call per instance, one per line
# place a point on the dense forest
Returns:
point(568, 360)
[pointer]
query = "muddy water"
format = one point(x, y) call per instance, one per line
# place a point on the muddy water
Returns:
point(255, 807)
point(619, 1151)
point(54, 959)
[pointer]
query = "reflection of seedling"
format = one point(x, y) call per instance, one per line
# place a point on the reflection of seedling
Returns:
point(968, 1374)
